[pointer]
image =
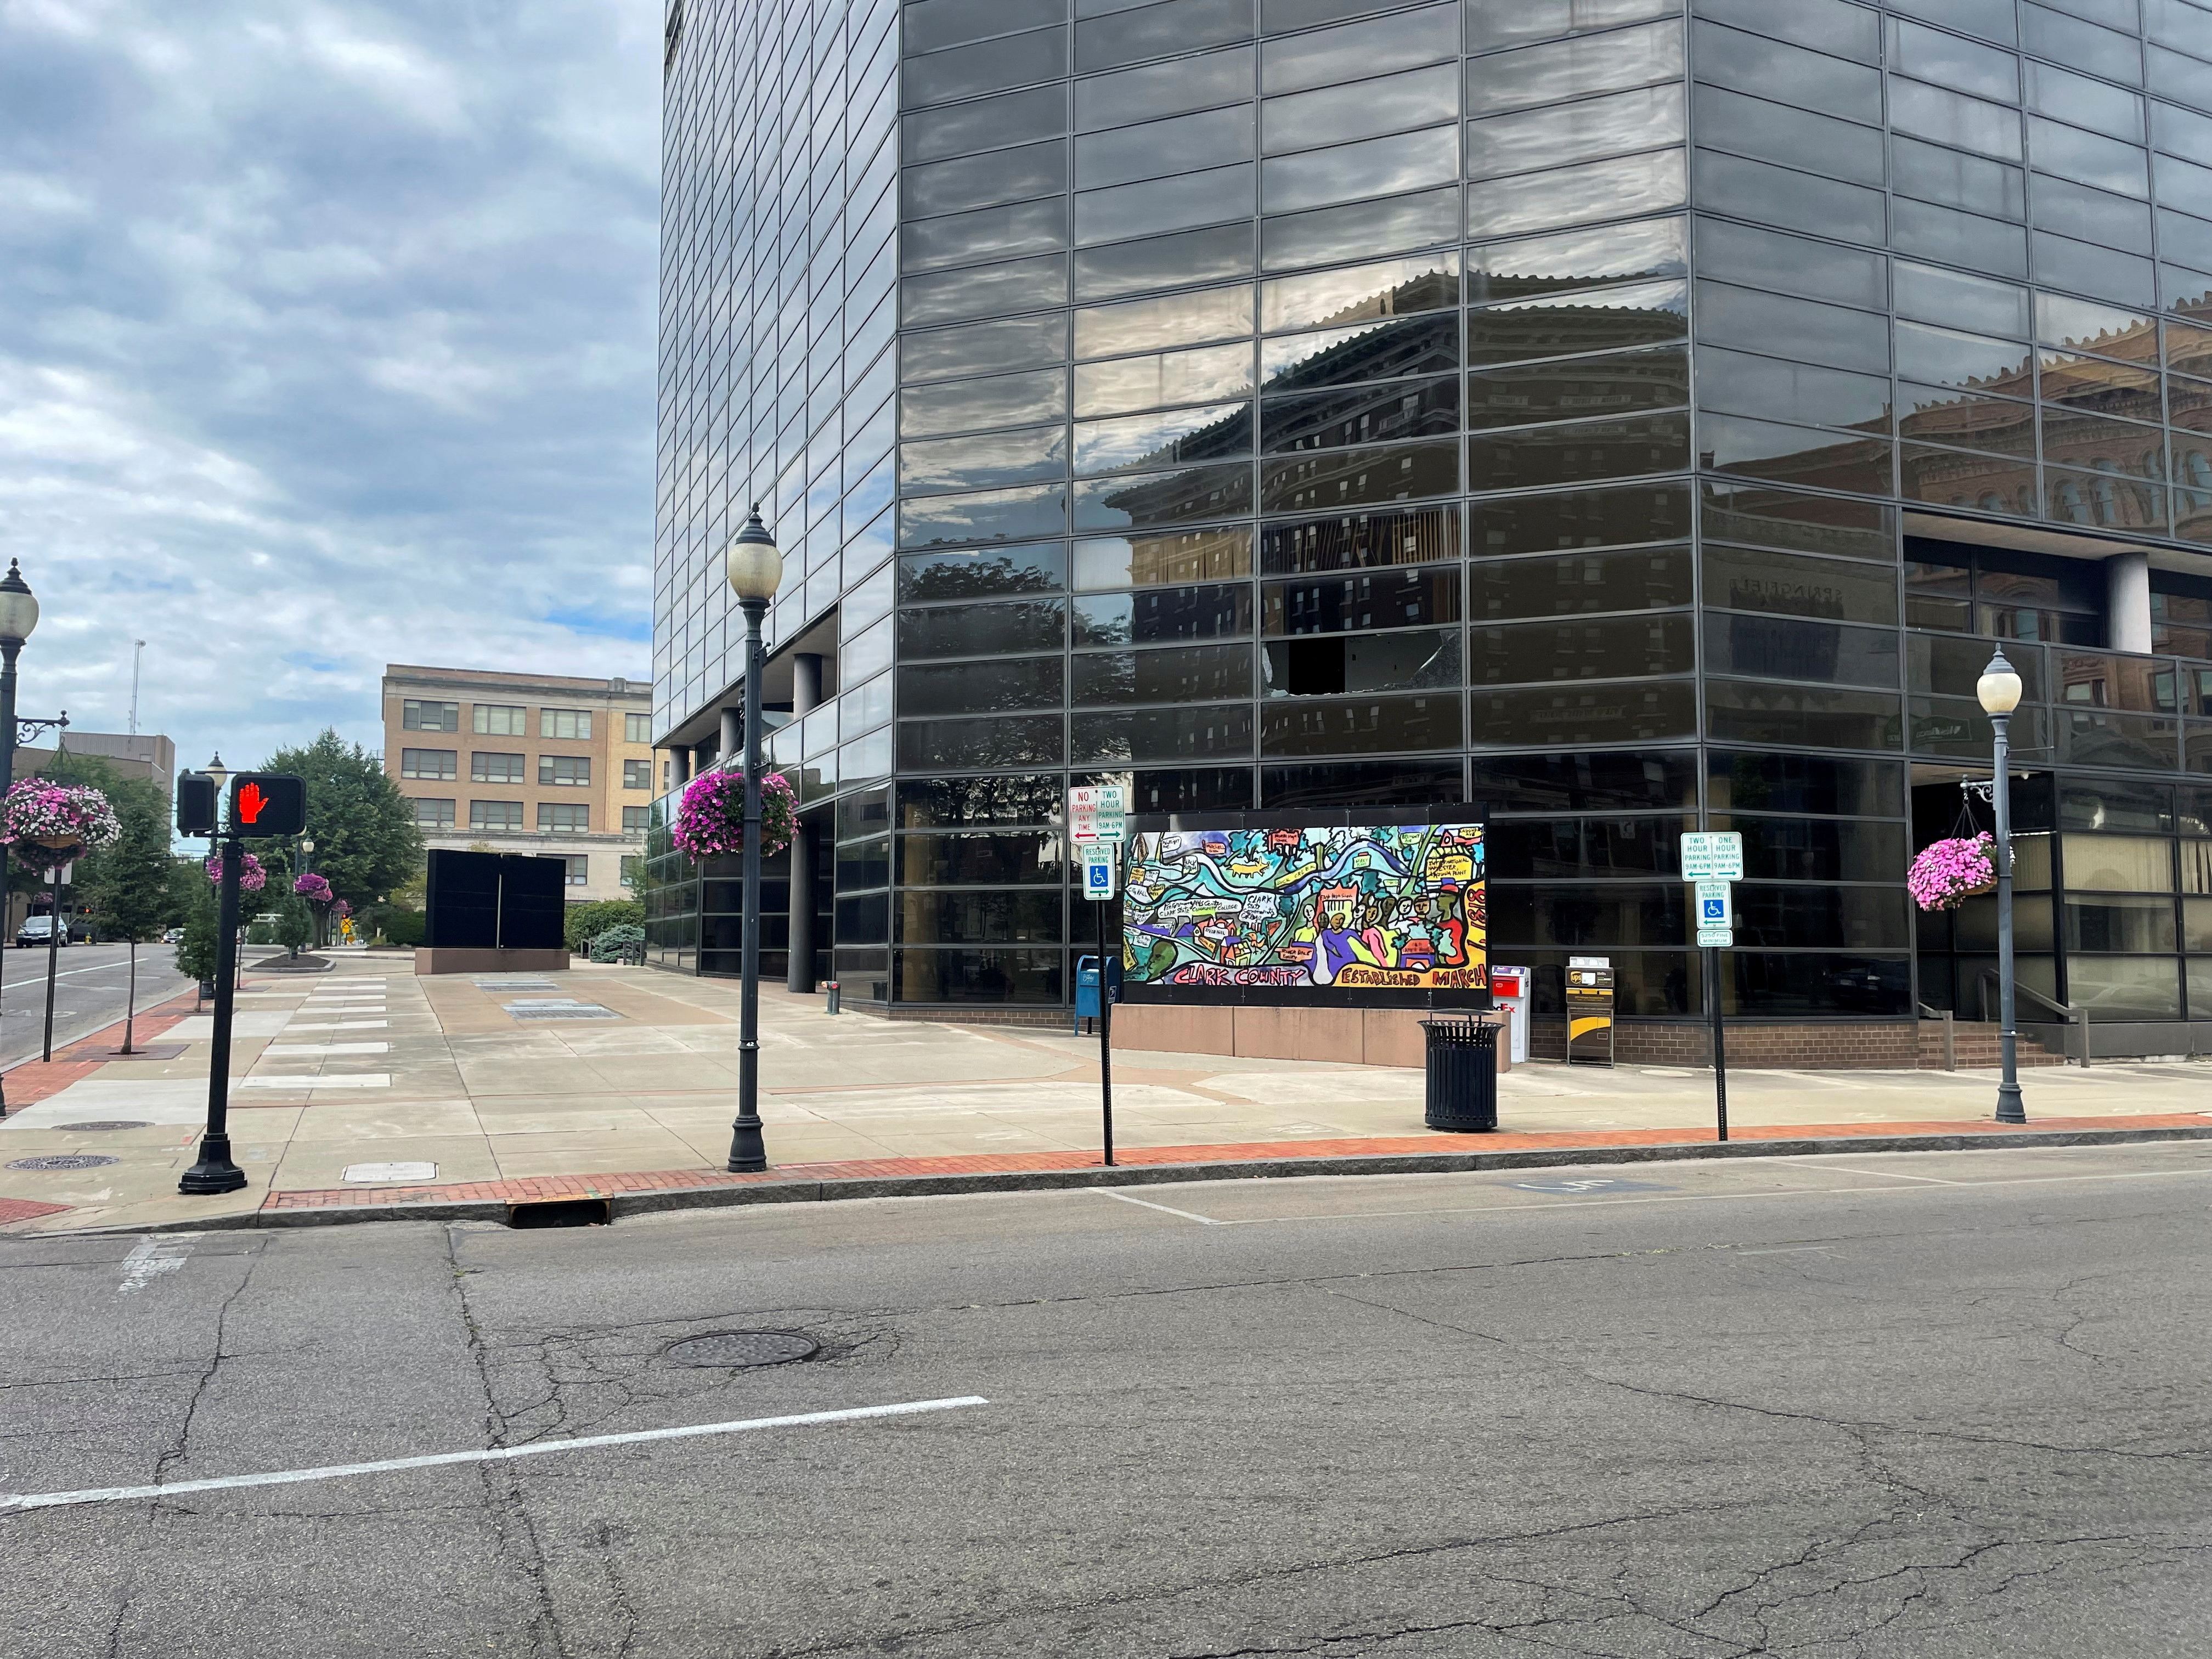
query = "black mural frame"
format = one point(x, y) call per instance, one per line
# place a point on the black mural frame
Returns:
point(1260, 996)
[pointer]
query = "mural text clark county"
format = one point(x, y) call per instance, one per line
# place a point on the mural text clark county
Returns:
point(1354, 908)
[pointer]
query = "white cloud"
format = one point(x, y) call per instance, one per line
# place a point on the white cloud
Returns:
point(327, 342)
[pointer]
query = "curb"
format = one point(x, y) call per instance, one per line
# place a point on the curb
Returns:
point(621, 1204)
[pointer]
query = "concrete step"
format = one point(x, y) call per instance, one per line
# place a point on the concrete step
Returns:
point(1980, 1046)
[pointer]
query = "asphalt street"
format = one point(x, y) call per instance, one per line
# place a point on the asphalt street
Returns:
point(1938, 1405)
point(90, 982)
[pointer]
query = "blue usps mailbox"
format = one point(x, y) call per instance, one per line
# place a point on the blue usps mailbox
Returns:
point(1086, 989)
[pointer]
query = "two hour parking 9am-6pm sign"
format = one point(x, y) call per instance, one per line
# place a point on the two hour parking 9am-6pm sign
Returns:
point(1097, 821)
point(1712, 862)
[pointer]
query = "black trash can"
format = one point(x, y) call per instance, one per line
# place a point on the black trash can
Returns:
point(1463, 1075)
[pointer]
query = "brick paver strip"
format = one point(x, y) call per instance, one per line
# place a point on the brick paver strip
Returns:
point(541, 1189)
point(26, 1209)
point(31, 1081)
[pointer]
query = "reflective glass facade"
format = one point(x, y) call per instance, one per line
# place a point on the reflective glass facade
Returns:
point(1623, 414)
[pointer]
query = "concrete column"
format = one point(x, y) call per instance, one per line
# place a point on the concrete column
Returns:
point(734, 732)
point(2127, 601)
point(702, 756)
point(801, 977)
point(680, 768)
point(805, 684)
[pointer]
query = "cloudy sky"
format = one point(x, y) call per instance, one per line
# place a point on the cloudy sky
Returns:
point(326, 340)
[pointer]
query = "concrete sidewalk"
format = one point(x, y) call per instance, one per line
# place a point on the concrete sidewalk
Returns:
point(366, 1086)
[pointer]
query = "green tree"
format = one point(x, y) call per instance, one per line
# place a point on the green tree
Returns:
point(295, 925)
point(127, 882)
point(201, 953)
point(365, 841)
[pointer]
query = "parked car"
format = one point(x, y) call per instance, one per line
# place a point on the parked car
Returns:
point(174, 936)
point(38, 930)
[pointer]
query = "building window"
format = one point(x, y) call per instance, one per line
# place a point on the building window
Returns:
point(440, 764)
point(495, 719)
point(636, 820)
point(637, 774)
point(485, 768)
point(564, 820)
point(434, 814)
point(580, 871)
point(430, 716)
point(494, 815)
point(565, 723)
point(637, 728)
point(633, 870)
point(570, 771)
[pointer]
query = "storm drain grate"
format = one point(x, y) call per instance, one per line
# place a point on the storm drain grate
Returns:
point(66, 1161)
point(558, 1008)
point(113, 1123)
point(741, 1350)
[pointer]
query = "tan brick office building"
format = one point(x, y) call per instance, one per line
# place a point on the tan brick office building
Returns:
point(539, 763)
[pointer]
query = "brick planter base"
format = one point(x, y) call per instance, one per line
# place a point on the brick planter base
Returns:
point(1841, 1045)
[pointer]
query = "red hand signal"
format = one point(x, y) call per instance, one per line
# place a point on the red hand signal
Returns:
point(250, 800)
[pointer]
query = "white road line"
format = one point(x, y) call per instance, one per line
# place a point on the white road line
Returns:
point(1889, 1175)
point(1696, 1198)
point(68, 973)
point(46, 1500)
point(1202, 1220)
point(152, 1256)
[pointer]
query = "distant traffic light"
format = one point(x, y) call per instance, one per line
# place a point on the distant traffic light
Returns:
point(196, 803)
point(268, 804)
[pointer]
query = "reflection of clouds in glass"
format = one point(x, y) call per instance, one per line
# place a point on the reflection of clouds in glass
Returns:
point(1378, 166)
point(1946, 358)
point(1160, 205)
point(1002, 458)
point(1366, 109)
point(1363, 351)
point(1166, 377)
point(1213, 313)
point(1574, 67)
point(1574, 132)
point(1003, 400)
point(1151, 440)
point(1595, 190)
point(1576, 259)
point(997, 515)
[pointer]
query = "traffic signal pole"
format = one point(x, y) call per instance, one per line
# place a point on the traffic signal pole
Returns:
point(216, 1172)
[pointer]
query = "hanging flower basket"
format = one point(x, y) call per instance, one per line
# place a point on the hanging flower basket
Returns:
point(710, 823)
point(51, 824)
point(1948, 872)
point(313, 888)
point(251, 877)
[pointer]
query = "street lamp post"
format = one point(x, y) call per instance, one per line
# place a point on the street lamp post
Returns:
point(1999, 690)
point(19, 614)
point(754, 566)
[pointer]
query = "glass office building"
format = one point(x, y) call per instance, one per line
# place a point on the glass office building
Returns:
point(1633, 417)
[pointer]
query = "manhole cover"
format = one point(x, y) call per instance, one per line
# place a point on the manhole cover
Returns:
point(114, 1123)
point(70, 1161)
point(735, 1349)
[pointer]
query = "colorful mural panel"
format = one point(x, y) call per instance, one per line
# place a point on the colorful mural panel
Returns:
point(1348, 908)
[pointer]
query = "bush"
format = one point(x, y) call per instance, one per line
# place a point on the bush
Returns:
point(625, 942)
point(585, 921)
point(402, 928)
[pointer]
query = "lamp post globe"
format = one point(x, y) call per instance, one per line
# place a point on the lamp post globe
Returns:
point(215, 769)
point(1999, 690)
point(754, 565)
point(19, 606)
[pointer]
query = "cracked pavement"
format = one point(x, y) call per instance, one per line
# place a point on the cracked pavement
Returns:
point(1860, 1407)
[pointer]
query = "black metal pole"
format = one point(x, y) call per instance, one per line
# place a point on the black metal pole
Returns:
point(130, 997)
point(2011, 1109)
point(9, 648)
point(1720, 1047)
point(748, 1152)
point(1105, 1034)
point(216, 1172)
point(54, 926)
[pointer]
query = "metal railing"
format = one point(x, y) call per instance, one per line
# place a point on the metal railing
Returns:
point(2072, 1016)
point(1950, 1034)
